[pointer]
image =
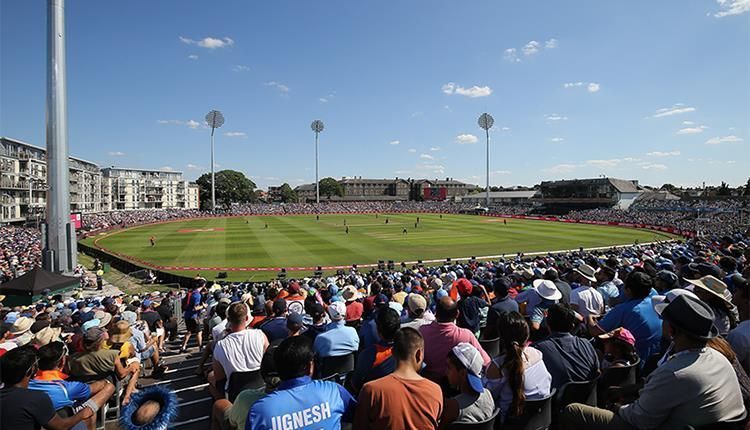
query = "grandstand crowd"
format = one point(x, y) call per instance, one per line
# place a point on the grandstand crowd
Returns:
point(644, 337)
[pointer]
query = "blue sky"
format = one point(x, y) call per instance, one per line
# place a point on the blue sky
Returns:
point(652, 90)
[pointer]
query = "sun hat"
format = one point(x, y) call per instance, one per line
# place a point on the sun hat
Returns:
point(547, 289)
point(104, 318)
point(337, 311)
point(471, 359)
point(712, 285)
point(620, 333)
point(668, 278)
point(586, 271)
point(129, 316)
point(94, 334)
point(464, 287)
point(416, 303)
point(121, 332)
point(692, 316)
point(350, 293)
point(660, 302)
point(46, 335)
point(21, 326)
point(90, 324)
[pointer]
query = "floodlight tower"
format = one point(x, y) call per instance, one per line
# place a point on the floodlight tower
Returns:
point(317, 126)
point(485, 122)
point(58, 236)
point(214, 119)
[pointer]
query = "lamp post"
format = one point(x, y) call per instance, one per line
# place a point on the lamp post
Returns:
point(214, 119)
point(485, 122)
point(317, 126)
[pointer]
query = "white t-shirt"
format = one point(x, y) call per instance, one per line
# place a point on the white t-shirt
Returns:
point(588, 300)
point(241, 351)
point(218, 332)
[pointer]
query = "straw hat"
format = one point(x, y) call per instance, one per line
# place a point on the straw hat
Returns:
point(711, 285)
point(121, 332)
point(46, 335)
point(21, 326)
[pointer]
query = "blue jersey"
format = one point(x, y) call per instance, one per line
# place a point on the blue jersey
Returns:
point(62, 393)
point(302, 403)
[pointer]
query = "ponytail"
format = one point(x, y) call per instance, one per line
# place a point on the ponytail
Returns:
point(514, 332)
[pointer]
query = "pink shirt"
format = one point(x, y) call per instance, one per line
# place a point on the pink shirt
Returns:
point(439, 339)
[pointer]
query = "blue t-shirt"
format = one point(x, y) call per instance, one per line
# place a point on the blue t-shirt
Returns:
point(302, 403)
point(62, 393)
point(275, 329)
point(336, 341)
point(638, 316)
point(195, 301)
point(608, 290)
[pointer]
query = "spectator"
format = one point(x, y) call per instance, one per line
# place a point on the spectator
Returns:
point(474, 403)
point(233, 415)
point(416, 307)
point(298, 398)
point(145, 345)
point(739, 338)
point(636, 314)
point(607, 289)
point(23, 408)
point(96, 362)
point(403, 400)
point(318, 326)
point(470, 307)
point(275, 327)
point(338, 339)
point(518, 372)
point(697, 386)
point(368, 332)
point(568, 358)
point(585, 299)
point(354, 307)
point(241, 350)
point(502, 305)
point(619, 348)
point(441, 336)
point(376, 361)
point(714, 292)
point(562, 286)
point(193, 307)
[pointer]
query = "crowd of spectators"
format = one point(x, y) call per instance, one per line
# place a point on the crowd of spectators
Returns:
point(20, 251)
point(425, 346)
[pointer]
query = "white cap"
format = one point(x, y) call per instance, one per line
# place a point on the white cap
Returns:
point(337, 311)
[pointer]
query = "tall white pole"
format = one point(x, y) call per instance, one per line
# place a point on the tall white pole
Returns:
point(487, 191)
point(317, 181)
point(59, 245)
point(213, 180)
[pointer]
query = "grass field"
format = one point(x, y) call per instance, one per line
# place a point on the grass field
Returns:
point(303, 241)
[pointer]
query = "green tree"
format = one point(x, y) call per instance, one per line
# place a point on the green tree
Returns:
point(747, 188)
point(668, 187)
point(330, 187)
point(287, 193)
point(231, 187)
point(724, 189)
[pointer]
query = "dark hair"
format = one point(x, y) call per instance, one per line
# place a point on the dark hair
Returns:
point(446, 310)
point(626, 350)
point(221, 310)
point(561, 318)
point(50, 354)
point(236, 313)
point(293, 356)
point(375, 288)
point(514, 333)
point(388, 322)
point(405, 342)
point(279, 307)
point(639, 284)
point(16, 364)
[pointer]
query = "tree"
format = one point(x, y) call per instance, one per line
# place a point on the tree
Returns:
point(330, 187)
point(724, 189)
point(231, 187)
point(287, 194)
point(668, 187)
point(747, 188)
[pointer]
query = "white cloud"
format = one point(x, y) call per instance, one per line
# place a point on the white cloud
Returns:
point(240, 68)
point(687, 123)
point(560, 169)
point(166, 168)
point(475, 91)
point(435, 148)
point(555, 117)
point(593, 87)
point(190, 123)
point(604, 163)
point(278, 85)
point(394, 142)
point(193, 57)
point(530, 48)
point(192, 166)
point(573, 84)
point(692, 130)
point(676, 109)
point(116, 153)
point(511, 55)
point(402, 172)
point(505, 129)
point(663, 154)
point(732, 7)
point(551, 43)
point(323, 100)
point(235, 134)
point(725, 139)
point(464, 139)
point(501, 172)
point(412, 150)
point(651, 166)
point(209, 42)
point(557, 140)
point(431, 168)
point(426, 157)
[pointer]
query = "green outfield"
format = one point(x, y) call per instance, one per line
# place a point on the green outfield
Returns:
point(210, 244)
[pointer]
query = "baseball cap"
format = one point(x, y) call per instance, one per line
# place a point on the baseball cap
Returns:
point(416, 303)
point(619, 333)
point(471, 359)
point(294, 318)
point(337, 311)
point(381, 300)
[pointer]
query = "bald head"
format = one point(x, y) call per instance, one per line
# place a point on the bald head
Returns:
point(447, 310)
point(146, 412)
